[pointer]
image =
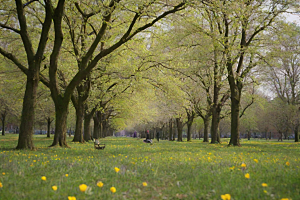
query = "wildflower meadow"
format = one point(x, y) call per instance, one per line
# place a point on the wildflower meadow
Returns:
point(130, 169)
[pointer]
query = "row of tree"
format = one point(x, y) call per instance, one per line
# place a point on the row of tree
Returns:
point(170, 59)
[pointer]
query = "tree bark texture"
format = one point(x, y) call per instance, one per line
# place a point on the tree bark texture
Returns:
point(28, 112)
point(235, 113)
point(61, 114)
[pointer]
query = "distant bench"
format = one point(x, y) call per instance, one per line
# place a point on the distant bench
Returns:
point(98, 145)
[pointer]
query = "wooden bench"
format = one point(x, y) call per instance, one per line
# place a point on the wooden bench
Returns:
point(98, 145)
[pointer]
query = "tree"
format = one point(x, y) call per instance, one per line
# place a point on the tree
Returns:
point(21, 24)
point(283, 74)
point(89, 61)
point(239, 24)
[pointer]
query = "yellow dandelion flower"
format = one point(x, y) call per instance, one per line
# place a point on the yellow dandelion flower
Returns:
point(145, 184)
point(287, 164)
point(1, 186)
point(83, 187)
point(3, 173)
point(243, 165)
point(231, 168)
point(255, 160)
point(264, 185)
point(67, 175)
point(54, 187)
point(113, 189)
point(43, 178)
point(71, 198)
point(265, 191)
point(100, 184)
point(117, 169)
point(247, 175)
point(226, 197)
point(284, 198)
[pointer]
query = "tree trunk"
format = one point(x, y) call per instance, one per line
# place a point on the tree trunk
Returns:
point(235, 112)
point(78, 136)
point(179, 129)
point(218, 134)
point(96, 133)
point(87, 128)
point(170, 130)
point(206, 124)
point(28, 112)
point(296, 131)
point(3, 116)
point(189, 131)
point(191, 116)
point(61, 114)
point(248, 135)
point(48, 126)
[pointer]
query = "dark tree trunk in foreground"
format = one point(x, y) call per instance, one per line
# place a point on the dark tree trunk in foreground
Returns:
point(235, 116)
point(179, 124)
point(26, 128)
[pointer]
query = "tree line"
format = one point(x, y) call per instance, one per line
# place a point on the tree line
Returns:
point(174, 60)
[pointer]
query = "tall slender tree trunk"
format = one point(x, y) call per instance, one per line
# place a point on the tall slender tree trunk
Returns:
point(87, 122)
point(179, 124)
point(218, 134)
point(170, 130)
point(189, 131)
point(296, 131)
point(28, 112)
point(3, 116)
point(78, 136)
point(61, 114)
point(235, 116)
point(191, 116)
point(206, 124)
point(49, 121)
point(96, 133)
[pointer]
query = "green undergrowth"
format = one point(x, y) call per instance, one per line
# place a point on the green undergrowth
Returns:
point(172, 170)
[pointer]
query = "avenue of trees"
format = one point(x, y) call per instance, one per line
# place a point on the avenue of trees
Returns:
point(208, 68)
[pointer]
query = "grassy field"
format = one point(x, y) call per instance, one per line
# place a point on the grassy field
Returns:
point(166, 170)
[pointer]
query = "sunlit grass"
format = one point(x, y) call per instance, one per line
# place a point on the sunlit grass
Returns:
point(131, 169)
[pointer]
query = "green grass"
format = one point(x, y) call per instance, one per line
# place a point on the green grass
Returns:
point(172, 170)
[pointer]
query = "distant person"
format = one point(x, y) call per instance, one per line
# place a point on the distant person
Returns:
point(157, 136)
point(134, 134)
point(147, 140)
